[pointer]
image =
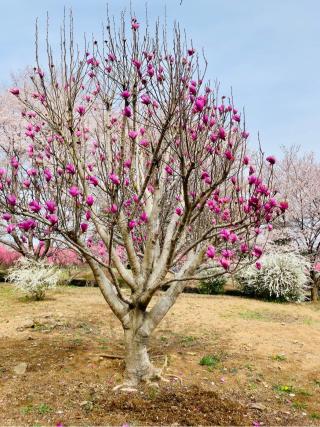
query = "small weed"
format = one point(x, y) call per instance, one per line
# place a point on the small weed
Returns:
point(153, 393)
point(25, 410)
point(291, 389)
point(249, 367)
point(77, 341)
point(252, 386)
point(317, 382)
point(188, 341)
point(43, 409)
point(88, 406)
point(315, 416)
point(210, 360)
point(279, 357)
point(164, 339)
point(299, 405)
point(302, 392)
point(284, 388)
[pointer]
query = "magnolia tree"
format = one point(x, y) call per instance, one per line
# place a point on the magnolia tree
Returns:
point(297, 179)
point(132, 151)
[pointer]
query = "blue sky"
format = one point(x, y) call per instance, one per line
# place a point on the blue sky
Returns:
point(268, 51)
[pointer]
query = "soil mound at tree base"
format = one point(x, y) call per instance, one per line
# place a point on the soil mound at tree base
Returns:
point(175, 405)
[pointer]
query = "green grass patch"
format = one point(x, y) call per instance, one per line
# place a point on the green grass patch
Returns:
point(210, 360)
point(279, 357)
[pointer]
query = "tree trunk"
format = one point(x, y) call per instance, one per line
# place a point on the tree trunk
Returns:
point(314, 289)
point(138, 367)
point(314, 292)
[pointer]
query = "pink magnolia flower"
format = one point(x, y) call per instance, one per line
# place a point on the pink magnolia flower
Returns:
point(7, 216)
point(27, 224)
point(114, 178)
point(134, 24)
point(74, 191)
point(224, 234)
point(15, 91)
point(200, 103)
point(32, 172)
point(258, 265)
point(53, 219)
point(127, 112)
point(127, 163)
point(10, 228)
point(257, 251)
point(90, 200)
point(47, 175)
point(228, 155)
point(11, 200)
point(244, 248)
point(283, 205)
point(81, 109)
point(271, 160)
point(70, 168)
point(14, 162)
point(34, 206)
point(133, 134)
point(233, 238)
point(225, 263)
point(145, 99)
point(245, 134)
point(136, 63)
point(211, 251)
point(125, 94)
point(114, 208)
point(169, 170)
point(93, 180)
point(144, 143)
point(144, 217)
point(222, 134)
point(246, 160)
point(51, 206)
point(179, 211)
point(227, 253)
point(132, 224)
point(84, 227)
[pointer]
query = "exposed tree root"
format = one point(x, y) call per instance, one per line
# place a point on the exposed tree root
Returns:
point(111, 356)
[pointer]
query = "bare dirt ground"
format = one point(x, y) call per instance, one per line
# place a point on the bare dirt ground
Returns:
point(265, 363)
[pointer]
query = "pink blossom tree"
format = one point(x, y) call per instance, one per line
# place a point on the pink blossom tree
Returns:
point(298, 176)
point(133, 150)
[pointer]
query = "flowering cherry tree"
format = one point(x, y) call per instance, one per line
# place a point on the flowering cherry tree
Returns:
point(297, 178)
point(132, 150)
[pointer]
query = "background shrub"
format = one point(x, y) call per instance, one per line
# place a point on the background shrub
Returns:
point(34, 277)
point(213, 285)
point(283, 277)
